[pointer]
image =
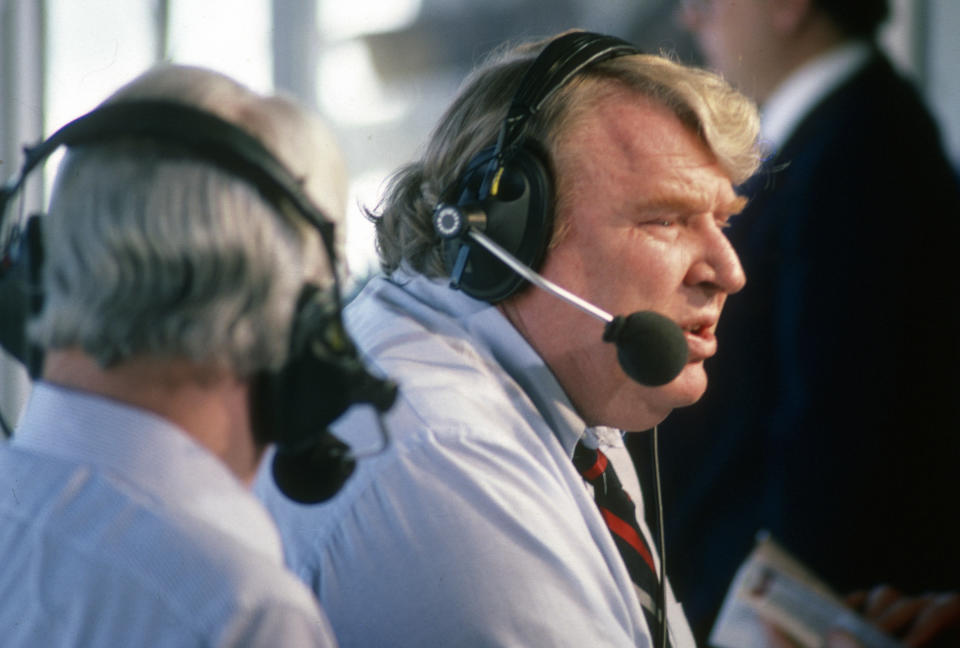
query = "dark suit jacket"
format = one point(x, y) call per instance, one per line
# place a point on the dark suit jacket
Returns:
point(831, 418)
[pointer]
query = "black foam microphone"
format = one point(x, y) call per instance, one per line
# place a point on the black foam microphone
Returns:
point(651, 348)
point(315, 473)
point(315, 468)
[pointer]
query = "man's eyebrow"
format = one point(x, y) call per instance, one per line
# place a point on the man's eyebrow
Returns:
point(682, 201)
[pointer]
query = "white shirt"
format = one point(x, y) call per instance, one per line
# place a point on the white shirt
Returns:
point(117, 529)
point(799, 93)
point(473, 528)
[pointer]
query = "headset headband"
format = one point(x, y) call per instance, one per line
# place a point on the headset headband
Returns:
point(204, 134)
point(323, 375)
point(559, 61)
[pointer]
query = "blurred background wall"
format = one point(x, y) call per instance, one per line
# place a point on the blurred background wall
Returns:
point(380, 71)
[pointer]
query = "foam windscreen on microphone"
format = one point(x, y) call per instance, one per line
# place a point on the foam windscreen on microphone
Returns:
point(651, 348)
point(314, 473)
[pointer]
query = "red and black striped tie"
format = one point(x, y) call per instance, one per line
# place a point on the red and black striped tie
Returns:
point(618, 511)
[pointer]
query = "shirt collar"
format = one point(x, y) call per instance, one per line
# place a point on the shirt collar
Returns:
point(147, 453)
point(805, 88)
point(511, 351)
point(603, 437)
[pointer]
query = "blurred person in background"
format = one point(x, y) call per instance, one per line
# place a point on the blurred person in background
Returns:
point(175, 268)
point(832, 414)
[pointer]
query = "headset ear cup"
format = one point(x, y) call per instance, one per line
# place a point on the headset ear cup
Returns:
point(294, 408)
point(294, 405)
point(323, 377)
point(21, 292)
point(521, 222)
point(519, 218)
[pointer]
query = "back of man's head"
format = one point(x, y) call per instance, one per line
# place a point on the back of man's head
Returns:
point(152, 251)
point(856, 18)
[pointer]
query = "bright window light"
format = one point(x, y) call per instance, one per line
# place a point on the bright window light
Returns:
point(342, 19)
point(350, 91)
point(360, 250)
point(91, 52)
point(230, 36)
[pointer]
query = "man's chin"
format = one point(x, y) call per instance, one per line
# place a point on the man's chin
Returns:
point(635, 407)
point(687, 388)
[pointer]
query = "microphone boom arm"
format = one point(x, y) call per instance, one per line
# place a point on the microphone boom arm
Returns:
point(537, 279)
point(651, 348)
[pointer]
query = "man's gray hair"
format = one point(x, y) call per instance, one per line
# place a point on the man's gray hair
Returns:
point(151, 251)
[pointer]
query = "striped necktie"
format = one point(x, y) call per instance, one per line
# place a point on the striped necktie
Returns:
point(618, 511)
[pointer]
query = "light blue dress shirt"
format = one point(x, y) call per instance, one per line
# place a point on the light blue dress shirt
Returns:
point(117, 529)
point(473, 528)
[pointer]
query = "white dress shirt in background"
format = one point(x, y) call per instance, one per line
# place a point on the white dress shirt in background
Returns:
point(117, 529)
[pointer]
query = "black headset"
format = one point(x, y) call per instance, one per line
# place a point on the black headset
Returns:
point(507, 190)
point(323, 376)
